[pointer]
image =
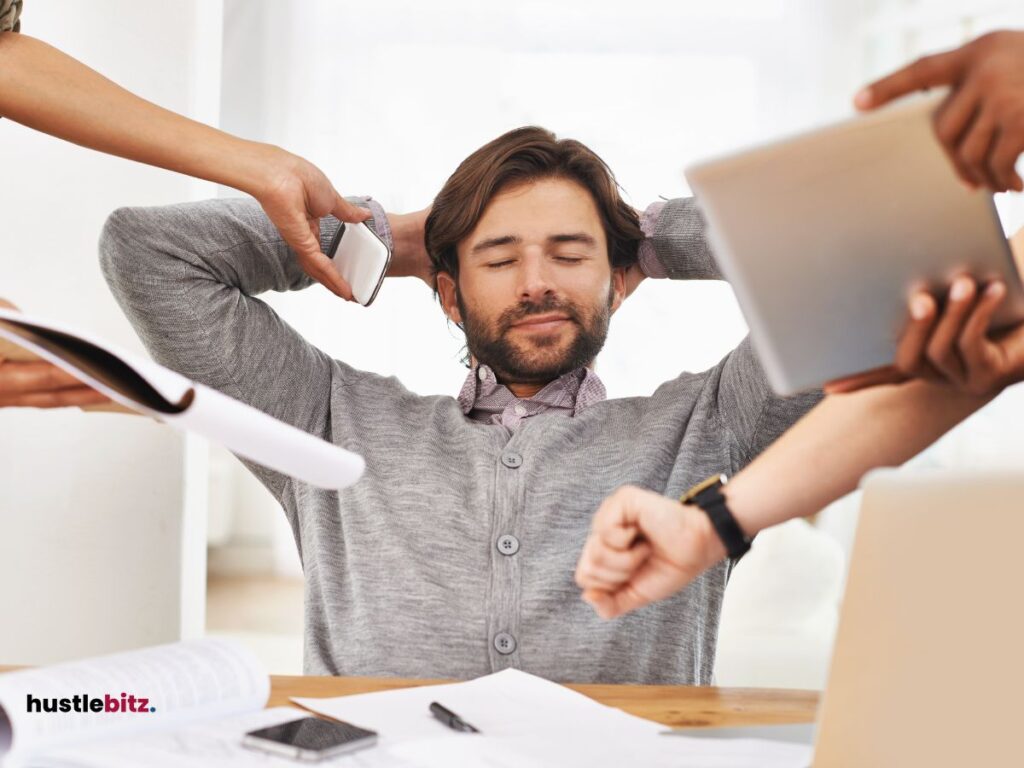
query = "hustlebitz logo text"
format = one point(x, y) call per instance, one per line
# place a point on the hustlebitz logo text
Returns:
point(83, 702)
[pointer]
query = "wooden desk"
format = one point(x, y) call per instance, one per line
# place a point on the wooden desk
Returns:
point(674, 705)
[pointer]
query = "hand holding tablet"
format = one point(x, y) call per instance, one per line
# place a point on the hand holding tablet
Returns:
point(825, 238)
point(954, 346)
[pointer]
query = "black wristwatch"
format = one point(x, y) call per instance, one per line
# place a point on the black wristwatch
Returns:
point(708, 496)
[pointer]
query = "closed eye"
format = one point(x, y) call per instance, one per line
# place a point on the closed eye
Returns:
point(496, 264)
point(569, 259)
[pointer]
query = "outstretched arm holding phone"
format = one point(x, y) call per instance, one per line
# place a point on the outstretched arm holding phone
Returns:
point(44, 89)
point(51, 92)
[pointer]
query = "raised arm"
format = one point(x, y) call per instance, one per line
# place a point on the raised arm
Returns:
point(188, 276)
point(676, 243)
point(677, 248)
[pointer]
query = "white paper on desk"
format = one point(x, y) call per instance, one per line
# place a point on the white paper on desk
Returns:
point(211, 744)
point(184, 682)
point(526, 721)
point(216, 744)
point(151, 389)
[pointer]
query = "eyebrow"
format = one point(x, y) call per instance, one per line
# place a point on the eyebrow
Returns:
point(497, 242)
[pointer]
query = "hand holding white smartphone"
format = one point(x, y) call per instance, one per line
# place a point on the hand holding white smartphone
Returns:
point(361, 258)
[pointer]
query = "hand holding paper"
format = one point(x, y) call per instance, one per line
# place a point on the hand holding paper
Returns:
point(150, 389)
point(28, 382)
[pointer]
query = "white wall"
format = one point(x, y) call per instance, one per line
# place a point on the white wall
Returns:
point(102, 518)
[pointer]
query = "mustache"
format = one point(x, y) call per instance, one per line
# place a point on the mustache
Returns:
point(523, 310)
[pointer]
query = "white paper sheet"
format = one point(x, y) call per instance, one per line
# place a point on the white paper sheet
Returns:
point(526, 721)
point(213, 744)
point(218, 744)
point(244, 430)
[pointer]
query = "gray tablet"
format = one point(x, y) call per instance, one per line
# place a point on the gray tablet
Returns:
point(824, 235)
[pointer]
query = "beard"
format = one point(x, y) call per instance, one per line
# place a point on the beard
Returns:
point(538, 360)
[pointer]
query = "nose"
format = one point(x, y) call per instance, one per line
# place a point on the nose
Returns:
point(534, 276)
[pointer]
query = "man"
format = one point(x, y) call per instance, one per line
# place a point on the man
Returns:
point(454, 555)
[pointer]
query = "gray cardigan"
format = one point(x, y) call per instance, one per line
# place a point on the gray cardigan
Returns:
point(403, 571)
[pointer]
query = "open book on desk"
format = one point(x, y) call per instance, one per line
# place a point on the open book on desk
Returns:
point(48, 710)
point(142, 386)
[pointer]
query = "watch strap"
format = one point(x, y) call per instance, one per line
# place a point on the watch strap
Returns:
point(709, 497)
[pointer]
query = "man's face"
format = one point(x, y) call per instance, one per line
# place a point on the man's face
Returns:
point(536, 289)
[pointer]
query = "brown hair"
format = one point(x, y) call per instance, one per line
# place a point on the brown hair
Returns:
point(523, 155)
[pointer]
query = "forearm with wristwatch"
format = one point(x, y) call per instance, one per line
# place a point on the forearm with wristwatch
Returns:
point(709, 497)
point(823, 457)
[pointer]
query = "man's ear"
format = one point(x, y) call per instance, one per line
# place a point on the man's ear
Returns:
point(447, 290)
point(618, 287)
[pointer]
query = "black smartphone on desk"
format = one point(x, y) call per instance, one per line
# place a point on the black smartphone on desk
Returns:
point(310, 739)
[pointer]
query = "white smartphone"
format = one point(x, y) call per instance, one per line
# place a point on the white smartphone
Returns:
point(361, 258)
point(310, 739)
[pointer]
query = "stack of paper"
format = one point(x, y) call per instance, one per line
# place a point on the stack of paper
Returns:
point(525, 722)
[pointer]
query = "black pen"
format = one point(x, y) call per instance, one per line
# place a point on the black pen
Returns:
point(450, 719)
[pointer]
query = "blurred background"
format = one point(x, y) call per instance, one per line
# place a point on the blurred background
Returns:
point(116, 532)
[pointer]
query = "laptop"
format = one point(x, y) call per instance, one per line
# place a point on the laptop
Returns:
point(824, 235)
point(928, 666)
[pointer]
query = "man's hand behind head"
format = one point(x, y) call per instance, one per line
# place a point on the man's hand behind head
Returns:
point(981, 122)
point(409, 256)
